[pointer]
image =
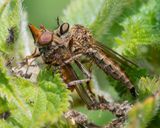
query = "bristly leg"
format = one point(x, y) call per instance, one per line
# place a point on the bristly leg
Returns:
point(83, 69)
point(26, 63)
point(88, 75)
point(77, 82)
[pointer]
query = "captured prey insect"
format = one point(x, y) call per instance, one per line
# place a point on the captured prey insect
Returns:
point(67, 44)
point(11, 36)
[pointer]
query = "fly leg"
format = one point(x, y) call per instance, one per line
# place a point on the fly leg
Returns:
point(82, 68)
point(88, 75)
point(80, 82)
point(88, 82)
point(28, 66)
point(72, 59)
point(33, 56)
point(93, 105)
point(77, 82)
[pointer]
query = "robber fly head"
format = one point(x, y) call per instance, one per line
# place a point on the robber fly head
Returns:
point(41, 36)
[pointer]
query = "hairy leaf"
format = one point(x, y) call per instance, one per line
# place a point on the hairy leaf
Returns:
point(140, 29)
point(143, 112)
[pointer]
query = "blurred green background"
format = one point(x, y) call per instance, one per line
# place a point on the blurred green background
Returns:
point(44, 11)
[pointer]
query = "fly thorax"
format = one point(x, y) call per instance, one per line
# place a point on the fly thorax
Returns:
point(81, 35)
point(91, 51)
point(55, 55)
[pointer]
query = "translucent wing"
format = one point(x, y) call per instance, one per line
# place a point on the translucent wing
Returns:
point(114, 55)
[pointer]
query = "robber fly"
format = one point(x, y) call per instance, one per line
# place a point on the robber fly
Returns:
point(67, 44)
point(60, 54)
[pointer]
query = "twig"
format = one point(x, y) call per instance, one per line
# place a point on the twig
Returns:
point(116, 123)
point(118, 109)
point(79, 119)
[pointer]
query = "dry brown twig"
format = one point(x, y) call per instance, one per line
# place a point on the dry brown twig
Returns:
point(80, 120)
point(120, 110)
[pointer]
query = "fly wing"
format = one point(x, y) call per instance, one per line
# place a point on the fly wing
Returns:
point(114, 55)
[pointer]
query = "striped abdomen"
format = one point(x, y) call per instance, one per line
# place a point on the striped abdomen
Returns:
point(110, 68)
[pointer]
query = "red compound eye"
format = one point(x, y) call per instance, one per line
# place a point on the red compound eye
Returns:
point(45, 38)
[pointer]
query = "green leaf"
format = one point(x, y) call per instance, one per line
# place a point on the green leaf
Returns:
point(4, 124)
point(111, 11)
point(148, 86)
point(141, 36)
point(10, 18)
point(52, 99)
point(142, 112)
point(13, 18)
point(34, 105)
point(140, 30)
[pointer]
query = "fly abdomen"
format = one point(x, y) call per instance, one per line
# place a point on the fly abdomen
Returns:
point(109, 67)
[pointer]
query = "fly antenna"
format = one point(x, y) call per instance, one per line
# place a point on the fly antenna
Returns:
point(42, 27)
point(58, 21)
